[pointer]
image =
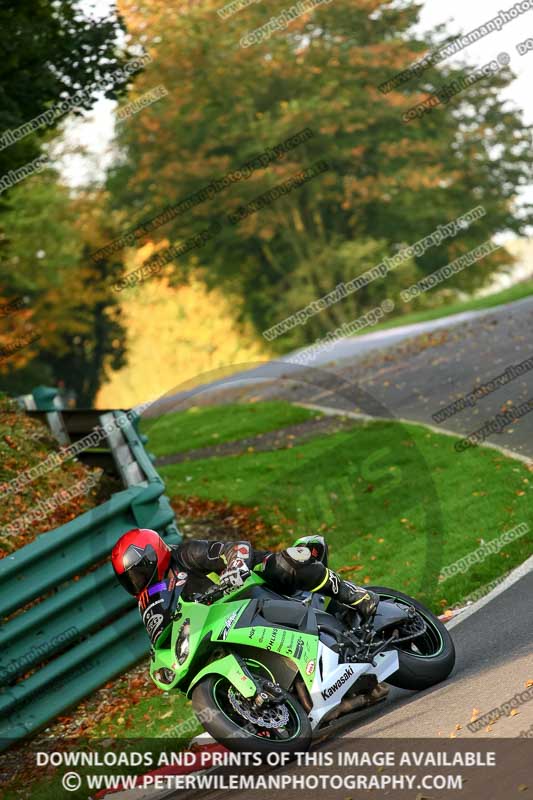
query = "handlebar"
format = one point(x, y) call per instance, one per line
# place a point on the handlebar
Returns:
point(211, 595)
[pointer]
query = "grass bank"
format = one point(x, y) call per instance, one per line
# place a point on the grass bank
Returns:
point(396, 502)
point(200, 427)
point(510, 295)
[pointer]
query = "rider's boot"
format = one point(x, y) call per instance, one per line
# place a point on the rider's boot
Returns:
point(365, 602)
point(357, 597)
point(334, 586)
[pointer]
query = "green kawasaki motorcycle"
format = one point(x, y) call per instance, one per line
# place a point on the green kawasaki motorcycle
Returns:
point(268, 672)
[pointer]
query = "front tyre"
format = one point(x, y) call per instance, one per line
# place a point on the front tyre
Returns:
point(428, 659)
point(235, 721)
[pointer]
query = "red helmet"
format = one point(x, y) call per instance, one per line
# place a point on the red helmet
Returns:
point(140, 557)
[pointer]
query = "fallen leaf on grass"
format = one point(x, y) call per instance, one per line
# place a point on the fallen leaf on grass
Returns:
point(350, 569)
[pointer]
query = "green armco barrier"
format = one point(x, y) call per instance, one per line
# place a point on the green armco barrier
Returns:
point(57, 555)
point(85, 629)
point(59, 667)
point(44, 397)
point(47, 628)
point(71, 677)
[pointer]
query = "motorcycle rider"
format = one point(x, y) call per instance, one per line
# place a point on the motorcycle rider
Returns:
point(150, 570)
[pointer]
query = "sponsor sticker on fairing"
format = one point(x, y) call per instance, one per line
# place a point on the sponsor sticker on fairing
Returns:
point(153, 624)
point(338, 683)
point(181, 578)
point(298, 650)
point(227, 626)
point(272, 640)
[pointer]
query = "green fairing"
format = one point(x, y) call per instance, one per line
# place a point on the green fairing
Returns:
point(213, 627)
point(232, 670)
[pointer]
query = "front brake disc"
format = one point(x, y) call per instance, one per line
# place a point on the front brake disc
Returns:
point(271, 717)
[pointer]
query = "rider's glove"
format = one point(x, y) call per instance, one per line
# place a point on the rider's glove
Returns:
point(235, 575)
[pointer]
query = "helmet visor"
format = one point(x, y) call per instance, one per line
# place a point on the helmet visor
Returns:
point(140, 566)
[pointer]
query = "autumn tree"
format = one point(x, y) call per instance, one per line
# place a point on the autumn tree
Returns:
point(388, 183)
point(70, 308)
point(49, 288)
point(50, 50)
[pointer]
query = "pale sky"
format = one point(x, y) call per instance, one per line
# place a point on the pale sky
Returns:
point(464, 15)
point(96, 132)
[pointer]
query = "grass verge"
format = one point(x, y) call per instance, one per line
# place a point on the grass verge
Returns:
point(510, 295)
point(200, 427)
point(396, 502)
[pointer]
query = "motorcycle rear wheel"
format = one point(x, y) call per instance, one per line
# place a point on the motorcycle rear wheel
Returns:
point(429, 659)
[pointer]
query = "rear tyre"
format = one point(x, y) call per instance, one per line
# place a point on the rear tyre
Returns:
point(428, 659)
point(239, 725)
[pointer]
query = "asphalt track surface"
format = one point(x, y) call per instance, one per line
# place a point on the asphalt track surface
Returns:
point(415, 371)
point(495, 644)
point(494, 662)
point(410, 372)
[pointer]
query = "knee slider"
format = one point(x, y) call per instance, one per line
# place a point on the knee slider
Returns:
point(308, 571)
point(285, 569)
point(279, 571)
point(297, 555)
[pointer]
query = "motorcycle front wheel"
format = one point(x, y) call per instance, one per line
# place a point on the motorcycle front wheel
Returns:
point(237, 723)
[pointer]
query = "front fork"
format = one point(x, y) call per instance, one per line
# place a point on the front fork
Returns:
point(233, 667)
point(268, 693)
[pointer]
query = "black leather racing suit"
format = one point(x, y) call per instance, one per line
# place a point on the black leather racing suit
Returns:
point(284, 571)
